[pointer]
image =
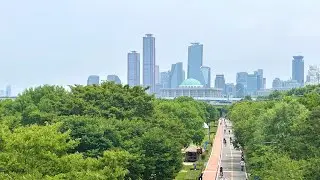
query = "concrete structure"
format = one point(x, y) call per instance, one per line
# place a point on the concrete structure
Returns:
point(114, 78)
point(176, 76)
point(230, 90)
point(298, 69)
point(276, 83)
point(191, 88)
point(93, 79)
point(206, 75)
point(280, 85)
point(195, 60)
point(313, 77)
point(149, 62)
point(133, 73)
point(220, 82)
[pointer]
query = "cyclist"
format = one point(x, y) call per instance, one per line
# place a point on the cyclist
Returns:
point(224, 141)
point(221, 172)
point(230, 139)
point(242, 165)
point(229, 131)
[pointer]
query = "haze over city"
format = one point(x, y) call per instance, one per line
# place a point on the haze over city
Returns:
point(63, 42)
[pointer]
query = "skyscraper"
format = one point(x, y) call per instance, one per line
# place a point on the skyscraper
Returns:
point(195, 55)
point(114, 78)
point(260, 84)
point(230, 89)
point(133, 69)
point(252, 83)
point(220, 82)
point(165, 79)
point(206, 75)
point(176, 75)
point(157, 74)
point(149, 62)
point(241, 84)
point(276, 83)
point(298, 69)
point(93, 79)
point(8, 91)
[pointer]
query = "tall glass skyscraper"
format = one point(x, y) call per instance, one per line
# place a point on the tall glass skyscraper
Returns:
point(176, 75)
point(252, 84)
point(157, 74)
point(260, 82)
point(298, 69)
point(149, 62)
point(93, 79)
point(133, 74)
point(165, 79)
point(206, 75)
point(195, 60)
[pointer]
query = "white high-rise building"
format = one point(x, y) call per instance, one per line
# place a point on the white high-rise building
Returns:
point(313, 76)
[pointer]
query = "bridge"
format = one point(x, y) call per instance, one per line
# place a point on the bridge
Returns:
point(6, 97)
point(215, 100)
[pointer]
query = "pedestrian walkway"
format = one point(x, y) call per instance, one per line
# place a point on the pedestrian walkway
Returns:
point(229, 158)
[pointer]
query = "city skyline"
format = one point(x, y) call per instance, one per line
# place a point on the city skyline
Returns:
point(39, 50)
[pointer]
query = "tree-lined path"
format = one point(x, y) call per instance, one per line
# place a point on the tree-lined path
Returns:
point(224, 155)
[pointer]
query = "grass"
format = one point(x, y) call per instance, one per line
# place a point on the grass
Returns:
point(187, 171)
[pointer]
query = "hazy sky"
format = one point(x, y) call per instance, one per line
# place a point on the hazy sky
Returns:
point(65, 41)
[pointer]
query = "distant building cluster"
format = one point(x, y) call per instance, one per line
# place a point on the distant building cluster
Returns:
point(6, 92)
point(196, 82)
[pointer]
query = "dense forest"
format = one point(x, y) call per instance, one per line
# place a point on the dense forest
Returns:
point(108, 131)
point(280, 134)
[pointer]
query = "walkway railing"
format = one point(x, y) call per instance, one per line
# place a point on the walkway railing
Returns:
point(212, 168)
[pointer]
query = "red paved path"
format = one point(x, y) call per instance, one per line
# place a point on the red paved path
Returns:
point(213, 163)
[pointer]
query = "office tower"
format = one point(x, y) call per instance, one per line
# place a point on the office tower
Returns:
point(206, 76)
point(241, 78)
point(157, 74)
point(252, 83)
point(195, 55)
point(149, 62)
point(165, 82)
point(276, 83)
point(8, 91)
point(264, 83)
point(230, 90)
point(240, 90)
point(220, 82)
point(176, 75)
point(93, 80)
point(260, 84)
point(133, 74)
point(114, 78)
point(298, 69)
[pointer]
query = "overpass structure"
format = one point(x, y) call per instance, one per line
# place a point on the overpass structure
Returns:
point(6, 97)
point(214, 100)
